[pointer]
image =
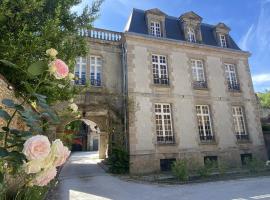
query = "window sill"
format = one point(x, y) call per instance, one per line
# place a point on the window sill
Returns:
point(201, 88)
point(234, 91)
point(243, 142)
point(161, 85)
point(210, 142)
point(166, 143)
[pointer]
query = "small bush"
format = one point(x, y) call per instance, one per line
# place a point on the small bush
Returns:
point(180, 170)
point(222, 168)
point(208, 168)
point(118, 161)
point(254, 165)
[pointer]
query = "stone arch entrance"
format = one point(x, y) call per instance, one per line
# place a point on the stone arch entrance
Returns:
point(87, 136)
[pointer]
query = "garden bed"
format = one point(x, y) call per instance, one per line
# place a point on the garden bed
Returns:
point(169, 178)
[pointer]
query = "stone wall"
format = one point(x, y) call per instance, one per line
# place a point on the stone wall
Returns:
point(7, 92)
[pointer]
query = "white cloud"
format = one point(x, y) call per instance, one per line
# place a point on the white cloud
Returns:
point(246, 38)
point(261, 78)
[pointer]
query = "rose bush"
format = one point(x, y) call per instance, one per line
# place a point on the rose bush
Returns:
point(43, 158)
point(30, 154)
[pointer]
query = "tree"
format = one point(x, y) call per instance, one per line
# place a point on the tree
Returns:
point(29, 27)
point(265, 99)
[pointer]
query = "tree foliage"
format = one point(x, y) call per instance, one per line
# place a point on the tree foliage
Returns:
point(265, 99)
point(29, 27)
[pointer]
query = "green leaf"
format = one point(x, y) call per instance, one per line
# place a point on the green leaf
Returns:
point(28, 87)
point(4, 128)
point(3, 152)
point(1, 177)
point(8, 102)
point(37, 68)
point(4, 115)
point(19, 107)
point(8, 63)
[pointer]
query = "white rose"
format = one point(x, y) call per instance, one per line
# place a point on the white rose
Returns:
point(73, 107)
point(51, 52)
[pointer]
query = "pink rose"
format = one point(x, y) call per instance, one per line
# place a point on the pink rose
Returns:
point(60, 152)
point(44, 177)
point(58, 68)
point(37, 147)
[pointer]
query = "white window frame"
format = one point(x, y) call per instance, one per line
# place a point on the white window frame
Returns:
point(191, 35)
point(222, 39)
point(198, 70)
point(160, 69)
point(80, 63)
point(231, 75)
point(97, 66)
point(239, 121)
point(155, 28)
point(164, 126)
point(202, 116)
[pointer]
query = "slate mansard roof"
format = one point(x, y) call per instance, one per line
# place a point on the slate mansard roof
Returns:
point(137, 24)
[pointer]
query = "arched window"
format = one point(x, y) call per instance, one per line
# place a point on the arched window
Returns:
point(191, 35)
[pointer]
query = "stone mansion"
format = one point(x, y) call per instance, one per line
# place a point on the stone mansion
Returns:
point(182, 87)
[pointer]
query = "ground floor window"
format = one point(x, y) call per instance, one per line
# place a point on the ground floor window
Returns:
point(211, 160)
point(245, 158)
point(164, 128)
point(204, 122)
point(166, 164)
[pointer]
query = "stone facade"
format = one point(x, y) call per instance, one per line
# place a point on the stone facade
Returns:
point(128, 82)
point(103, 104)
point(145, 152)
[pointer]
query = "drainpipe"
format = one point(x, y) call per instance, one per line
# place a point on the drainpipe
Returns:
point(125, 92)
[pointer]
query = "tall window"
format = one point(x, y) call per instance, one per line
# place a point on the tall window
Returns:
point(164, 128)
point(198, 74)
point(95, 70)
point(160, 69)
point(204, 122)
point(191, 35)
point(80, 71)
point(222, 39)
point(239, 123)
point(231, 77)
point(155, 28)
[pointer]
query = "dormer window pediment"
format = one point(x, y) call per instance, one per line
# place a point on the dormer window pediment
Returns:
point(155, 20)
point(222, 32)
point(191, 26)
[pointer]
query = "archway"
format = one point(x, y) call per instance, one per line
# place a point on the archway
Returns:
point(82, 135)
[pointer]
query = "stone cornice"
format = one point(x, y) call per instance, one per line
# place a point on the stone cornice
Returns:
point(186, 44)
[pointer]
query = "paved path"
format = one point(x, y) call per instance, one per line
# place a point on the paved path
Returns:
point(82, 179)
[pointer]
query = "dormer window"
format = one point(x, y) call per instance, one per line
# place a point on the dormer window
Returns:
point(222, 39)
point(155, 28)
point(191, 35)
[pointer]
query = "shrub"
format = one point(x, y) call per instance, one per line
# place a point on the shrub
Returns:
point(254, 165)
point(180, 170)
point(222, 168)
point(118, 161)
point(208, 168)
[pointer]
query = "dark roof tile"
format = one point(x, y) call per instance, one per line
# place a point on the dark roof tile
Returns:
point(173, 29)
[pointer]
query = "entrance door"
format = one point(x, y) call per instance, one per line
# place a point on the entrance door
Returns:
point(95, 145)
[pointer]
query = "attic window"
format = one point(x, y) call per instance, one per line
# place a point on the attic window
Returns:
point(222, 39)
point(191, 35)
point(155, 28)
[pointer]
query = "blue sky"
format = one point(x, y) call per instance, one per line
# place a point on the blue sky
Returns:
point(249, 21)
